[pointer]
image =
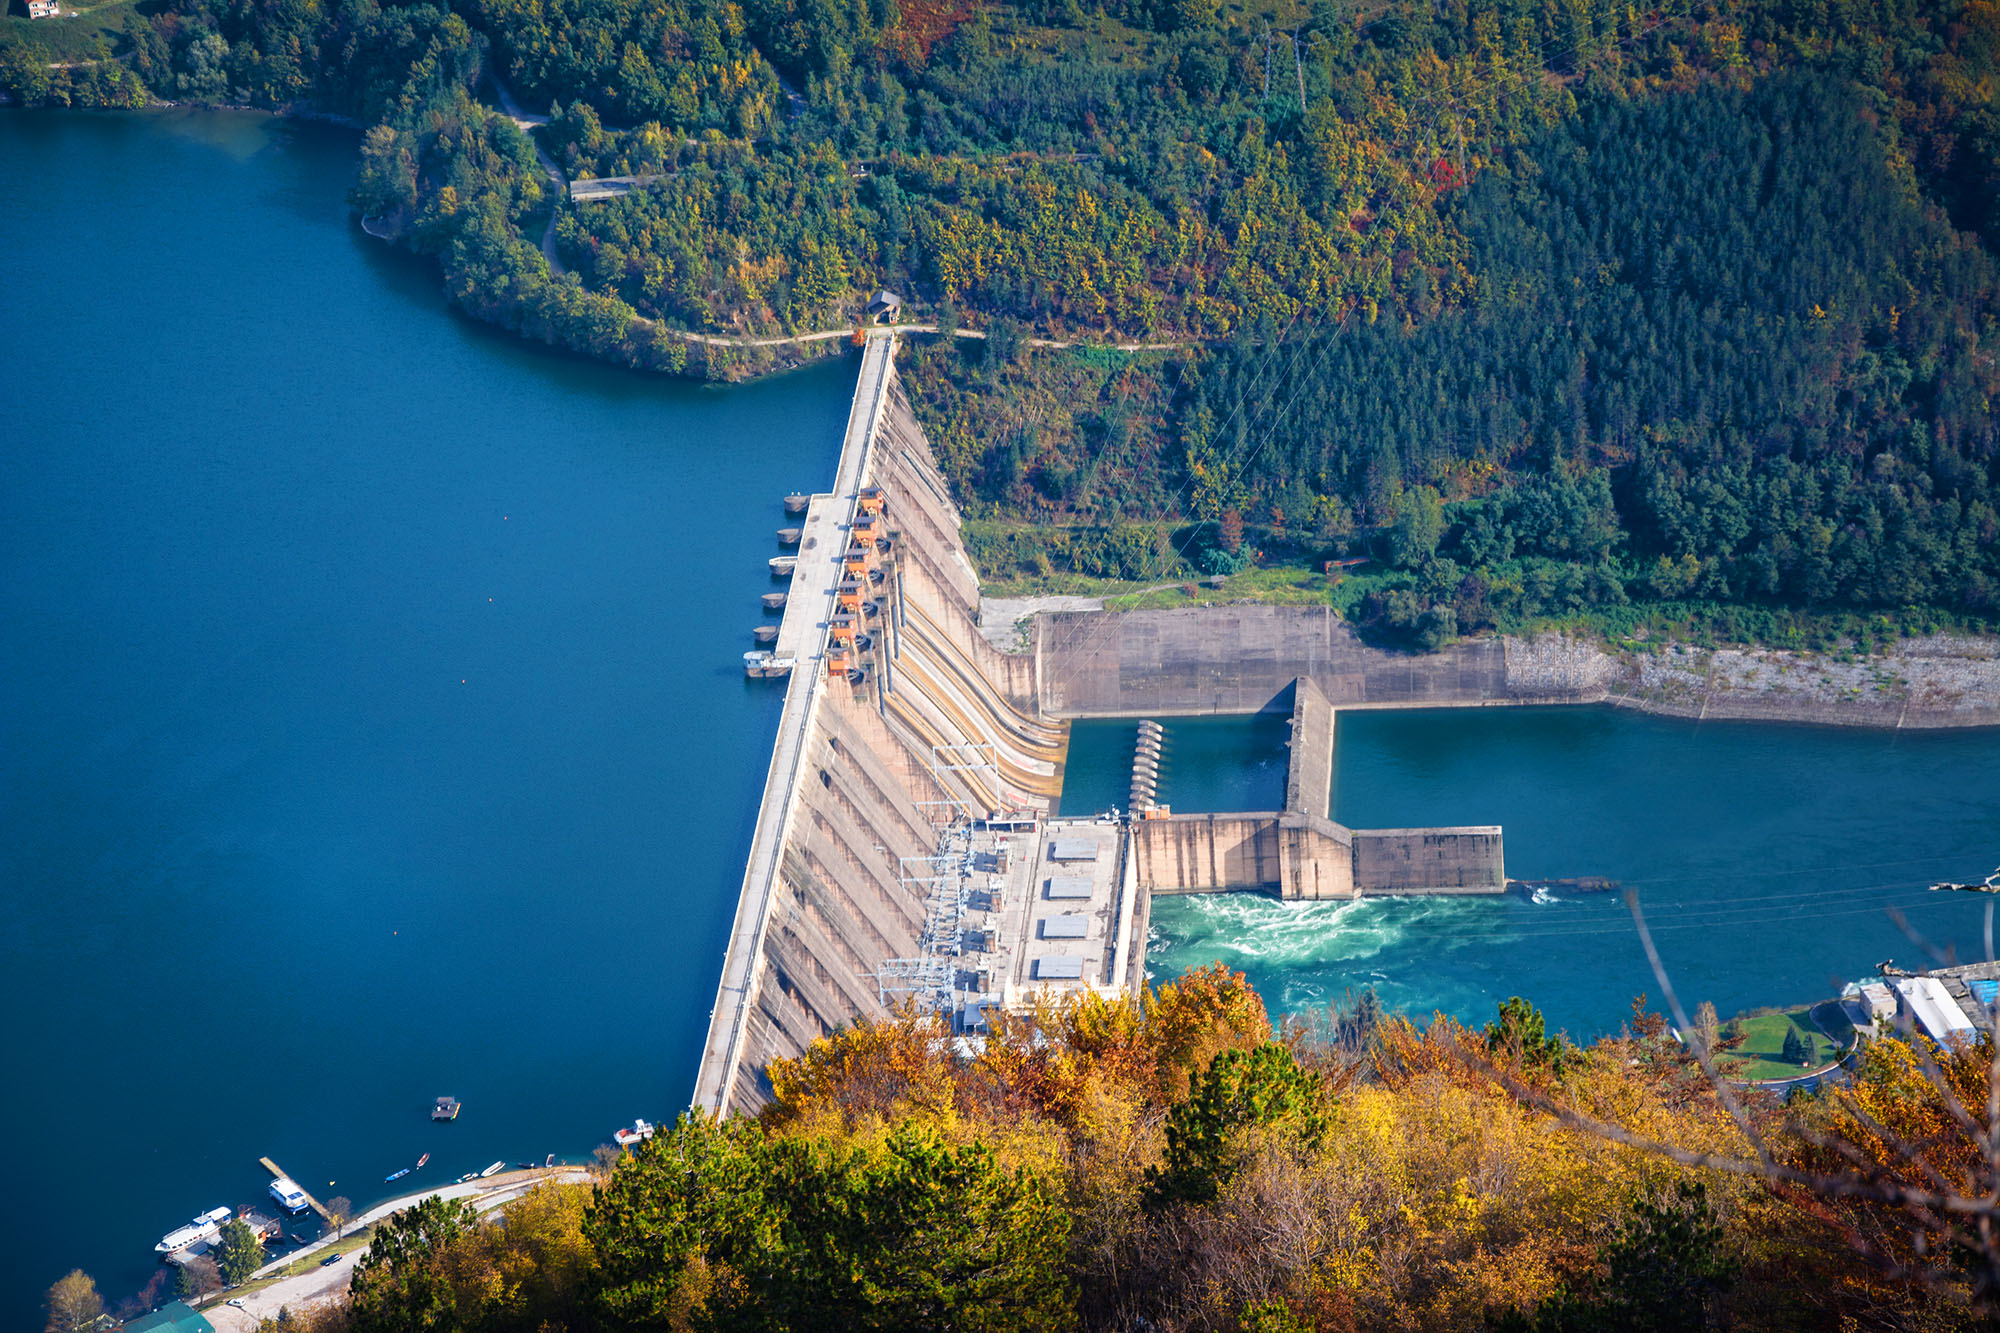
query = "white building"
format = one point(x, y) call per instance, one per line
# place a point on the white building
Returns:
point(1927, 1002)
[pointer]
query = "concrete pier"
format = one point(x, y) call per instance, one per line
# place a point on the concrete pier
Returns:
point(1309, 777)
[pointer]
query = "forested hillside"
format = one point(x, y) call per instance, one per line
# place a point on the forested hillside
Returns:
point(1177, 1165)
point(1549, 308)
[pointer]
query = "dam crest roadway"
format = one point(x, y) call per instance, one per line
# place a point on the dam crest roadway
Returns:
point(905, 846)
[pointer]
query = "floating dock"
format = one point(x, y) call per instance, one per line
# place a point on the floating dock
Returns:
point(278, 1173)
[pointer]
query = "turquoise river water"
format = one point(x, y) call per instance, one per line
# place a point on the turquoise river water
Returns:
point(1768, 858)
point(374, 722)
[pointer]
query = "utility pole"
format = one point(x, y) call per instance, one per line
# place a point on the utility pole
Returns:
point(1267, 62)
point(1300, 66)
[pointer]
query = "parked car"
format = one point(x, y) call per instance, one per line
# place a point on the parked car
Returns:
point(330, 1260)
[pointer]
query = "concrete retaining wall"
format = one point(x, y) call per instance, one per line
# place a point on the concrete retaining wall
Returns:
point(1243, 659)
point(1429, 860)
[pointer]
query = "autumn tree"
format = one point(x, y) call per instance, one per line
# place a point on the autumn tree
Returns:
point(199, 1276)
point(73, 1303)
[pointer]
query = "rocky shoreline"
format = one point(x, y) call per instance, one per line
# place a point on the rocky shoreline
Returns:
point(1936, 681)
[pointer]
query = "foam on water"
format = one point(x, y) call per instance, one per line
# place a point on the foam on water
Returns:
point(1770, 860)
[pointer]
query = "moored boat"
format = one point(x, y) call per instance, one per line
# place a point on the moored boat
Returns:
point(421, 1160)
point(491, 1170)
point(289, 1196)
point(396, 1175)
point(206, 1226)
point(445, 1109)
point(640, 1130)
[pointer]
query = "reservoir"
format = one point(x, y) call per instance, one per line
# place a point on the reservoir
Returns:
point(374, 723)
point(1768, 858)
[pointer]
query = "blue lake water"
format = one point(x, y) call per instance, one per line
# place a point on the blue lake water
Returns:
point(1769, 859)
point(374, 723)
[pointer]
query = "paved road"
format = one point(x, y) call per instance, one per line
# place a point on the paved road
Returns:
point(309, 1288)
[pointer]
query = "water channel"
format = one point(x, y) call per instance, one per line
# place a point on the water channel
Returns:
point(1768, 858)
point(374, 723)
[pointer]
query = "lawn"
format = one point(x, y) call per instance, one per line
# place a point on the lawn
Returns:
point(75, 35)
point(1760, 1056)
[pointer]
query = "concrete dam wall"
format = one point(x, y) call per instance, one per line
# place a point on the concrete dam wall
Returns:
point(899, 724)
point(1300, 853)
point(915, 765)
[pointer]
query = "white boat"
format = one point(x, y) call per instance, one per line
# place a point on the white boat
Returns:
point(491, 1170)
point(640, 1130)
point(289, 1196)
point(206, 1226)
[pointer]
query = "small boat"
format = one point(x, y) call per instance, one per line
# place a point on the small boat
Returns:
point(421, 1160)
point(640, 1130)
point(447, 1108)
point(491, 1170)
point(524, 1166)
point(550, 1160)
point(470, 1175)
point(396, 1175)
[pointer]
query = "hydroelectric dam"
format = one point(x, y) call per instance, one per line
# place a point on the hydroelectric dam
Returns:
point(905, 846)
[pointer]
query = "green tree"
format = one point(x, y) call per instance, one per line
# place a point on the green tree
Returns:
point(1661, 1273)
point(403, 1283)
point(240, 1254)
point(73, 1303)
point(1795, 1051)
point(719, 1223)
point(912, 1233)
point(670, 1202)
point(1521, 1032)
point(1419, 526)
point(1260, 1088)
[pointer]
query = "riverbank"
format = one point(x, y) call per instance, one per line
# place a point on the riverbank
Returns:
point(274, 1288)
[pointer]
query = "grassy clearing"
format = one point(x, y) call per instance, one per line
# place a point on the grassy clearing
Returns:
point(84, 32)
point(1761, 1054)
